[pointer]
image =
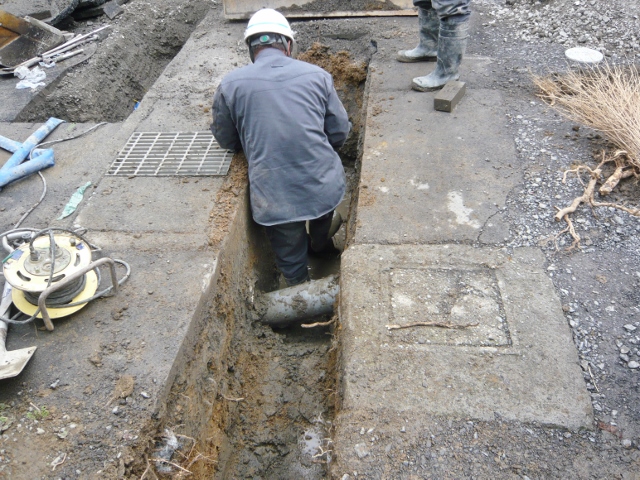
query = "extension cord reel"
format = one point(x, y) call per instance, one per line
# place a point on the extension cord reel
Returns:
point(28, 271)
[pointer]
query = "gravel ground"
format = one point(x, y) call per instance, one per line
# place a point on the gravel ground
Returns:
point(598, 282)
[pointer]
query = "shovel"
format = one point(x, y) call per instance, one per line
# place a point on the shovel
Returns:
point(11, 363)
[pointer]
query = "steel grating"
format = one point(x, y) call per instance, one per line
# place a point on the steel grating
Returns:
point(155, 154)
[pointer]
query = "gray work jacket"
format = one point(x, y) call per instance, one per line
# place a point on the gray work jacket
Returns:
point(286, 116)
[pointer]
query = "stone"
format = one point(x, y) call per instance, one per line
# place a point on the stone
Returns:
point(447, 98)
point(361, 450)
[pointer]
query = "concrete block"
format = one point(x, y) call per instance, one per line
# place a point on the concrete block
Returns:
point(112, 9)
point(511, 352)
point(447, 98)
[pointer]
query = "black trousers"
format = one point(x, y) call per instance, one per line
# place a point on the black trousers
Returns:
point(290, 244)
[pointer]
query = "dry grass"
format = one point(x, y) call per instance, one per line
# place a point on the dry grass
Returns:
point(605, 98)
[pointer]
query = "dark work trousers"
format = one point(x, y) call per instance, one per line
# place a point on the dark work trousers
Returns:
point(456, 11)
point(290, 245)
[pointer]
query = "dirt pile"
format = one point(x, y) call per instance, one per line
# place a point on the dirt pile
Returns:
point(134, 52)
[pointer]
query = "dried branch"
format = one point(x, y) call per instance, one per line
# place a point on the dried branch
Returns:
point(162, 460)
point(623, 170)
point(148, 470)
point(587, 196)
point(432, 324)
point(231, 399)
point(607, 99)
point(572, 232)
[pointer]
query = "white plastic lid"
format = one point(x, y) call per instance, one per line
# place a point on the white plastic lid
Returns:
point(584, 55)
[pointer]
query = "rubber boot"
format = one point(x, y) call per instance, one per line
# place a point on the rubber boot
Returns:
point(319, 239)
point(427, 49)
point(451, 47)
point(336, 222)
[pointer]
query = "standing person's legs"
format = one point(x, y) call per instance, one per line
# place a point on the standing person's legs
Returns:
point(451, 8)
point(289, 244)
point(452, 41)
point(428, 30)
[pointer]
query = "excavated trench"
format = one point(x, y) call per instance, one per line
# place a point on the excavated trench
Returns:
point(132, 54)
point(253, 401)
point(258, 402)
point(248, 401)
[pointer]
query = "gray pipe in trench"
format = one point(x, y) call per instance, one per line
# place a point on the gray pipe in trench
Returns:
point(293, 304)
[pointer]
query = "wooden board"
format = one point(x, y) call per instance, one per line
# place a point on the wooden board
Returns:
point(243, 9)
point(22, 39)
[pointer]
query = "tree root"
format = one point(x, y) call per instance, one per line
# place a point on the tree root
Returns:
point(572, 231)
point(587, 196)
point(623, 170)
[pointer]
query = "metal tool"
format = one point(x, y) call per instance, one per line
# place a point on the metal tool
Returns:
point(11, 363)
point(22, 39)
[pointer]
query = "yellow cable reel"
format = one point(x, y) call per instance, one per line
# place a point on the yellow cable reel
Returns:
point(28, 271)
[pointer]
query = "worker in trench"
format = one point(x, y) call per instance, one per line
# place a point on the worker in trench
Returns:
point(443, 26)
point(286, 116)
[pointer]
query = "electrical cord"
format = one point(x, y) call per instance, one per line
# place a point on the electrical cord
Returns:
point(44, 181)
point(35, 205)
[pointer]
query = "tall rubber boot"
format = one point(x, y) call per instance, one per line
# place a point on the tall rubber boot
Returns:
point(452, 44)
point(427, 49)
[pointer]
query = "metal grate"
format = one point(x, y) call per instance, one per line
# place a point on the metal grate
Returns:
point(154, 154)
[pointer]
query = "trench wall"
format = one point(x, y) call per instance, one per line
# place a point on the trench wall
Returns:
point(196, 406)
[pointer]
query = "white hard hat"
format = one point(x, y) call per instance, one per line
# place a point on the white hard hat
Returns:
point(267, 20)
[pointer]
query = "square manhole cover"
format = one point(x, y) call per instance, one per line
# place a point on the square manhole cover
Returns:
point(154, 154)
point(449, 296)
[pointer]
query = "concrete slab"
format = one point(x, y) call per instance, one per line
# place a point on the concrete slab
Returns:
point(74, 167)
point(440, 180)
point(177, 205)
point(515, 358)
point(436, 176)
point(172, 231)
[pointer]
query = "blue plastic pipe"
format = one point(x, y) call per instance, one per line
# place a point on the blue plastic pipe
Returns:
point(34, 139)
point(14, 168)
point(8, 144)
point(12, 146)
point(37, 163)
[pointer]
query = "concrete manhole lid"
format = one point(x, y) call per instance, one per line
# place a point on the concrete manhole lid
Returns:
point(156, 154)
point(448, 296)
point(515, 358)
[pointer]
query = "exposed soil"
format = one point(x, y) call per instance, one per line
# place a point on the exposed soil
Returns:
point(133, 53)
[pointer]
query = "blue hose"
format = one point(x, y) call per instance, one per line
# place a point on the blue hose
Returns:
point(37, 163)
point(14, 168)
